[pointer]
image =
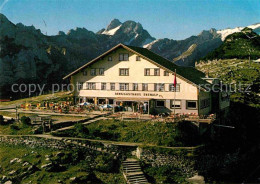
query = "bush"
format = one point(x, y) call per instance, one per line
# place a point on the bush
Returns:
point(1, 120)
point(14, 127)
point(104, 163)
point(26, 120)
point(81, 130)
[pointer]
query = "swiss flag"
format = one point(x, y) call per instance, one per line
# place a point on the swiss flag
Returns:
point(175, 80)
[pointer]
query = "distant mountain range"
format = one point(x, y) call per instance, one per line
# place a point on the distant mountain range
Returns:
point(238, 45)
point(28, 56)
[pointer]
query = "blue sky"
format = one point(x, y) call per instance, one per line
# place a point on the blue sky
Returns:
point(176, 19)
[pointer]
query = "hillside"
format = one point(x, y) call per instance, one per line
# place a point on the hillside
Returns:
point(28, 56)
point(237, 45)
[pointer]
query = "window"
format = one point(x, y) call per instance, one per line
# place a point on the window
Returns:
point(171, 87)
point(176, 104)
point(101, 71)
point(103, 86)
point(80, 85)
point(145, 87)
point(160, 103)
point(124, 86)
point(123, 57)
point(91, 85)
point(166, 73)
point(191, 104)
point(123, 71)
point(85, 73)
point(204, 103)
point(138, 58)
point(112, 86)
point(135, 87)
point(93, 72)
point(156, 72)
point(111, 101)
point(101, 101)
point(159, 87)
point(146, 71)
point(109, 58)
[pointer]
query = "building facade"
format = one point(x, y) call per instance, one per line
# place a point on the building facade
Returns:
point(131, 76)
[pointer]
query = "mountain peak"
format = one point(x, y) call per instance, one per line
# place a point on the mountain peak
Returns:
point(3, 18)
point(113, 24)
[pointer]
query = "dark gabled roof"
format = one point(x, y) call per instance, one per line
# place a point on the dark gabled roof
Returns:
point(189, 74)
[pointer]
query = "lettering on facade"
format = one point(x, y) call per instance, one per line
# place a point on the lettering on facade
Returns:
point(136, 94)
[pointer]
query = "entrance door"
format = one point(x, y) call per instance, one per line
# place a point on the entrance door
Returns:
point(128, 105)
point(146, 107)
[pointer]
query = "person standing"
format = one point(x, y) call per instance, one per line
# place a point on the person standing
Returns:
point(141, 108)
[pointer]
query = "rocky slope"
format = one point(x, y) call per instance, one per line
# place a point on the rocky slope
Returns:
point(28, 56)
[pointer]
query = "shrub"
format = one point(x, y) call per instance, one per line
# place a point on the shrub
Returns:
point(14, 127)
point(26, 120)
point(104, 163)
point(1, 120)
point(81, 130)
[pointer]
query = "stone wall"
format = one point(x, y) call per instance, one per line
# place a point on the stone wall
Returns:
point(177, 158)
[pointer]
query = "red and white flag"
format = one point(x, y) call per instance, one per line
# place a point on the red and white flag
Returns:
point(175, 81)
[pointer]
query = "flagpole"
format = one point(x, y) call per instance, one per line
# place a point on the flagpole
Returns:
point(174, 93)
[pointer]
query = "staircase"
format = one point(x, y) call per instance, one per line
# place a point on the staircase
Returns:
point(132, 172)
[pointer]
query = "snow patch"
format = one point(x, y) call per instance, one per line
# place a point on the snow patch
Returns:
point(112, 31)
point(225, 32)
point(254, 26)
point(149, 44)
point(146, 42)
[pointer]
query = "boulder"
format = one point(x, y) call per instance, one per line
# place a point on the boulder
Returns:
point(8, 182)
point(196, 179)
point(13, 172)
point(14, 160)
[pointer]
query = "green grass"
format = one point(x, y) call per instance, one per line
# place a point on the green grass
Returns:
point(16, 129)
point(236, 71)
point(54, 117)
point(154, 133)
point(37, 99)
point(37, 157)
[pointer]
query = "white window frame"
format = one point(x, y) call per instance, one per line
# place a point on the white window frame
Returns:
point(155, 73)
point(138, 58)
point(171, 87)
point(124, 86)
point(187, 101)
point(144, 86)
point(103, 86)
point(173, 106)
point(85, 73)
point(101, 71)
point(125, 72)
point(135, 86)
point(166, 73)
point(80, 86)
point(147, 72)
point(112, 86)
point(93, 72)
point(123, 57)
point(91, 86)
point(159, 87)
point(110, 58)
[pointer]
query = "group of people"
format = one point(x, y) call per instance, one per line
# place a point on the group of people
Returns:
point(142, 108)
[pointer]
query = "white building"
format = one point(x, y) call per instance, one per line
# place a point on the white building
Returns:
point(130, 76)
